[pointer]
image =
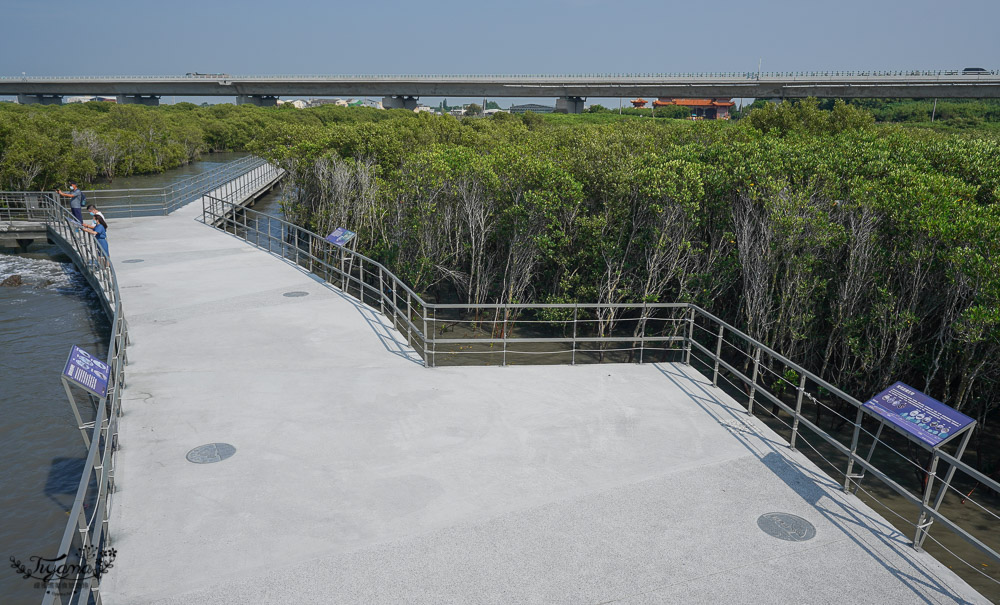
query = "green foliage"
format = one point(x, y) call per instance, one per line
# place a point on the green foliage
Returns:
point(866, 252)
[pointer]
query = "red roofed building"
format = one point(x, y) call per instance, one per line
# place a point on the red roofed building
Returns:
point(701, 109)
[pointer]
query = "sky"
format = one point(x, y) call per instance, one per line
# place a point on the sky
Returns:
point(258, 37)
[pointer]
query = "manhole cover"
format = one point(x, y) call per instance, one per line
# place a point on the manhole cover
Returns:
point(210, 452)
point(133, 260)
point(786, 527)
point(295, 294)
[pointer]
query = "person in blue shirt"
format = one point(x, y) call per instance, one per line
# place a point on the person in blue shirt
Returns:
point(75, 201)
point(100, 231)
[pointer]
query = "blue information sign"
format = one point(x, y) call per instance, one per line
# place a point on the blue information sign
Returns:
point(924, 417)
point(340, 236)
point(87, 371)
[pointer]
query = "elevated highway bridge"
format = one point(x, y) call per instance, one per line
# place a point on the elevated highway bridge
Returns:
point(402, 91)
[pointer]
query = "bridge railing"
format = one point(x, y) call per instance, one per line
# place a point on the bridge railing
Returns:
point(128, 203)
point(86, 544)
point(780, 391)
point(120, 203)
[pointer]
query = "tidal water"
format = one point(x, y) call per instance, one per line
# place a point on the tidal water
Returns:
point(41, 448)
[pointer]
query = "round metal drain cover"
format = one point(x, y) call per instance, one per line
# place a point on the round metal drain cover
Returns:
point(133, 260)
point(786, 527)
point(295, 294)
point(210, 452)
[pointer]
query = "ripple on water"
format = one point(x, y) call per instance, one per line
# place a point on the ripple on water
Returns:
point(43, 273)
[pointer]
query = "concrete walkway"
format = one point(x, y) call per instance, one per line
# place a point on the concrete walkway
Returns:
point(361, 477)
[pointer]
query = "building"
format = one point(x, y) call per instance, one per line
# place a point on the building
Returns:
point(639, 103)
point(701, 109)
point(532, 107)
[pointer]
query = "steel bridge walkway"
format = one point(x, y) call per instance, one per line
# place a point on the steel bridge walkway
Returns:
point(361, 477)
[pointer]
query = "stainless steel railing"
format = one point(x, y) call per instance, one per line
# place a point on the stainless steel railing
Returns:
point(86, 542)
point(122, 203)
point(497, 334)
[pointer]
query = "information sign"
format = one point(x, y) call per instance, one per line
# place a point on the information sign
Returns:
point(85, 370)
point(924, 417)
point(340, 237)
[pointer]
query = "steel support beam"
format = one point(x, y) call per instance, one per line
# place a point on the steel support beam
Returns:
point(399, 102)
point(41, 99)
point(258, 100)
point(570, 104)
point(150, 100)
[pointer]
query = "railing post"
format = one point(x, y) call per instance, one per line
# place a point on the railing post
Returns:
point(718, 356)
point(343, 274)
point(395, 304)
point(753, 382)
point(798, 412)
point(504, 362)
point(409, 318)
point(423, 338)
point(576, 309)
point(924, 520)
point(854, 449)
point(381, 291)
point(433, 336)
point(642, 332)
point(690, 337)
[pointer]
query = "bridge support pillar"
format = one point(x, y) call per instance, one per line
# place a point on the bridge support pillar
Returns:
point(39, 99)
point(570, 105)
point(399, 102)
point(150, 100)
point(258, 100)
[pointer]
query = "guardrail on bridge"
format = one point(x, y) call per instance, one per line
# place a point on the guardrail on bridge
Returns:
point(86, 540)
point(500, 334)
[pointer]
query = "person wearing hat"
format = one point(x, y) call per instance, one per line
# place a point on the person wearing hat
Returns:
point(75, 202)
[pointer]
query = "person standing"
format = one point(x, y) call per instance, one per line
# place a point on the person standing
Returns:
point(92, 209)
point(76, 201)
point(100, 231)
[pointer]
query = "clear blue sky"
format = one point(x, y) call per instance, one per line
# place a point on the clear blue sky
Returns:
point(106, 37)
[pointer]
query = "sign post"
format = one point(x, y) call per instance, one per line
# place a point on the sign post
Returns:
point(90, 374)
point(345, 240)
point(929, 423)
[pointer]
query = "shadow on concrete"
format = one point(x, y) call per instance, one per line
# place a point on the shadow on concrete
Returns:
point(812, 486)
point(64, 480)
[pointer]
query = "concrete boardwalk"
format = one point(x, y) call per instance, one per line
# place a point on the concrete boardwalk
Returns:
point(362, 477)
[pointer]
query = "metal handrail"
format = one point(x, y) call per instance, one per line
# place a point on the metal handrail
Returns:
point(370, 282)
point(138, 202)
point(88, 537)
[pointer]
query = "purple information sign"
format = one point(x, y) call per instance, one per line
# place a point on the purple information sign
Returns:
point(340, 236)
point(919, 415)
point(87, 371)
